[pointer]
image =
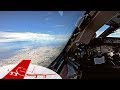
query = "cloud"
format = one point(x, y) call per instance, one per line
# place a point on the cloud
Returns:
point(28, 36)
point(58, 26)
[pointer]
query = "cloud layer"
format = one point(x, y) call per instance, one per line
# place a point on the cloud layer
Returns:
point(28, 36)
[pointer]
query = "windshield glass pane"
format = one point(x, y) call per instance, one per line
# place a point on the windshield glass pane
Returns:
point(101, 30)
point(115, 34)
point(36, 35)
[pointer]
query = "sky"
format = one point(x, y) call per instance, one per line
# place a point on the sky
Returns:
point(37, 25)
point(101, 30)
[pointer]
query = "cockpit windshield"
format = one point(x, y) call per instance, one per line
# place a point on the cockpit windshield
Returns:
point(39, 36)
point(115, 34)
point(101, 30)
